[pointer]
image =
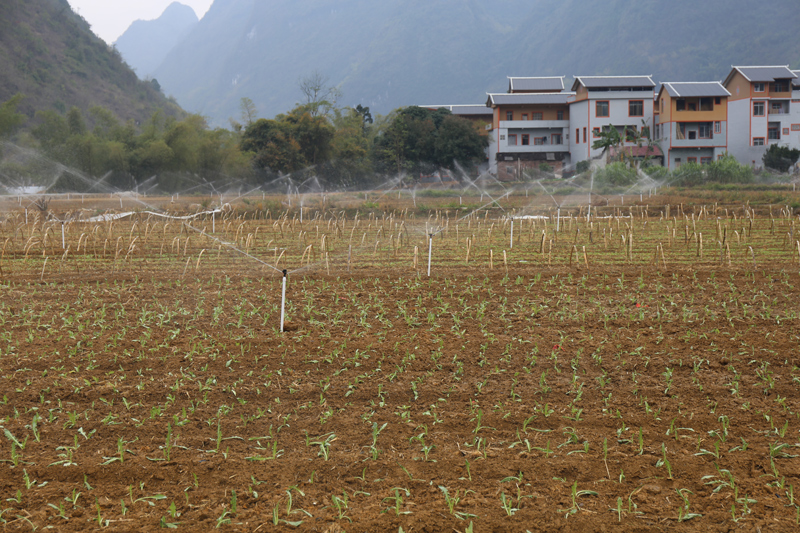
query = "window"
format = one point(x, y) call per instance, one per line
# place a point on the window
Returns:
point(718, 127)
point(691, 106)
point(559, 115)
point(758, 141)
point(680, 104)
point(758, 87)
point(524, 116)
point(795, 127)
point(681, 131)
point(577, 136)
point(705, 160)
point(691, 160)
point(512, 140)
point(584, 134)
point(539, 140)
point(526, 139)
point(509, 115)
point(555, 138)
point(692, 134)
point(717, 101)
point(786, 131)
point(758, 109)
point(646, 132)
point(636, 108)
point(706, 104)
point(779, 87)
point(595, 132)
point(773, 133)
point(704, 130)
point(775, 108)
point(677, 162)
point(601, 108)
point(537, 116)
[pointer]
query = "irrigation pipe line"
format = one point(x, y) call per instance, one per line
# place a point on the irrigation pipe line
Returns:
point(233, 247)
point(117, 216)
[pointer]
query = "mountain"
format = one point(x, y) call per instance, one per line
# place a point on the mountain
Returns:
point(145, 44)
point(49, 54)
point(401, 52)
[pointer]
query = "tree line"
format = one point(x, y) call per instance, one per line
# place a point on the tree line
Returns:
point(343, 147)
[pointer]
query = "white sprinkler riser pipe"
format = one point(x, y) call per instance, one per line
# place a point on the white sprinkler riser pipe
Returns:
point(512, 234)
point(63, 240)
point(283, 300)
point(430, 251)
point(558, 219)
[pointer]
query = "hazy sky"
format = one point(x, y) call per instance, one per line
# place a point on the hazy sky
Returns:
point(110, 18)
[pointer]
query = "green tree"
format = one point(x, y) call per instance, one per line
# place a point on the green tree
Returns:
point(273, 146)
point(459, 142)
point(10, 120)
point(313, 133)
point(75, 121)
point(780, 158)
point(248, 110)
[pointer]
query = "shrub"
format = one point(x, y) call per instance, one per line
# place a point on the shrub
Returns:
point(582, 166)
point(617, 174)
point(780, 158)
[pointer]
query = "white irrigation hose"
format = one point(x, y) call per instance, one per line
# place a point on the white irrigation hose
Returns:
point(512, 234)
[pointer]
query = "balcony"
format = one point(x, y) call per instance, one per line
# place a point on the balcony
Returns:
point(534, 148)
point(533, 124)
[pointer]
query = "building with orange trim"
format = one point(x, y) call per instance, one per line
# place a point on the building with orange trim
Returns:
point(691, 122)
point(762, 108)
point(603, 102)
point(530, 128)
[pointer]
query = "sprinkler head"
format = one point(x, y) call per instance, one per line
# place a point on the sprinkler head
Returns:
point(285, 272)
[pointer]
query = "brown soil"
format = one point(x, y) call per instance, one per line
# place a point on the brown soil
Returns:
point(670, 395)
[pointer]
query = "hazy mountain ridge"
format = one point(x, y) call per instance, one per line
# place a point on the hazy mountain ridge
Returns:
point(401, 52)
point(146, 43)
point(50, 54)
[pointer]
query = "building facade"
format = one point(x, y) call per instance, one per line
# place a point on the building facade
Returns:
point(538, 123)
point(530, 132)
point(691, 122)
point(761, 111)
point(602, 102)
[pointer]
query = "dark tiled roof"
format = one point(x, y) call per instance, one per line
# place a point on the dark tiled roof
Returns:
point(528, 98)
point(613, 81)
point(763, 74)
point(553, 83)
point(463, 109)
point(694, 89)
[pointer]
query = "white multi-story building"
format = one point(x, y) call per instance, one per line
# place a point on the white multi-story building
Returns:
point(602, 102)
point(530, 127)
point(762, 110)
point(691, 122)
